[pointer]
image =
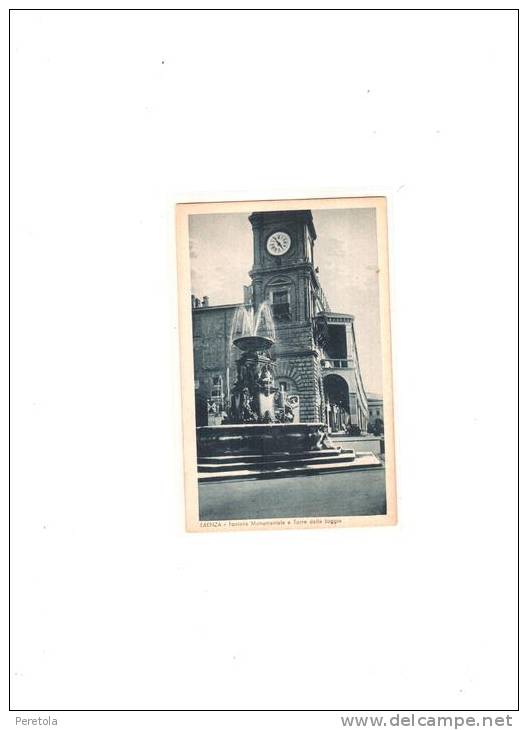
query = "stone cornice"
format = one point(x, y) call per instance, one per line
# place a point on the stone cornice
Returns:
point(295, 353)
point(213, 307)
point(260, 218)
point(305, 266)
point(331, 317)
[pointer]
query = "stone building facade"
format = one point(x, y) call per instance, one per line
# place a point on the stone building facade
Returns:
point(375, 407)
point(315, 350)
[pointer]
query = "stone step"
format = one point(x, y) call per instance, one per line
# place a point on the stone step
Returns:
point(276, 456)
point(363, 461)
point(273, 462)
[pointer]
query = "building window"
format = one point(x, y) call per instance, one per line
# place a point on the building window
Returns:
point(280, 304)
point(283, 386)
point(216, 390)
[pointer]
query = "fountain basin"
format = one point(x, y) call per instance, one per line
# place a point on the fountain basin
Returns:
point(253, 343)
point(260, 438)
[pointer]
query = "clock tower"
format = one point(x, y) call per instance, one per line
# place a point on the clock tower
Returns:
point(284, 274)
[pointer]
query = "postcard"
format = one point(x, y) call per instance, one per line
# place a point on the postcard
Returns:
point(285, 353)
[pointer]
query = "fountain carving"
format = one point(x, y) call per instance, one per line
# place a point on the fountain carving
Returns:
point(253, 394)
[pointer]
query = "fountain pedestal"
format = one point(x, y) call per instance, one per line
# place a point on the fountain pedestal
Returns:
point(253, 395)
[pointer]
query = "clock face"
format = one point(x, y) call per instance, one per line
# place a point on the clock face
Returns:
point(278, 243)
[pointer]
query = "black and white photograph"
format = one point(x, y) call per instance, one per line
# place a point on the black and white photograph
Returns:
point(292, 407)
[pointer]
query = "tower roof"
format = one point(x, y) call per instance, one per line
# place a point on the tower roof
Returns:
point(279, 216)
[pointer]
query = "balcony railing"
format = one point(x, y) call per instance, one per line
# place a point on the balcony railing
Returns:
point(338, 363)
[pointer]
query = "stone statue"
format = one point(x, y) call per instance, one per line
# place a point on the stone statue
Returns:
point(248, 414)
point(288, 413)
point(266, 379)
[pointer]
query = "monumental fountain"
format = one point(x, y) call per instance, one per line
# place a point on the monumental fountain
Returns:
point(259, 435)
point(254, 391)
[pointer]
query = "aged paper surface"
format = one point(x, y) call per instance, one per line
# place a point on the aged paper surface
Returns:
point(285, 352)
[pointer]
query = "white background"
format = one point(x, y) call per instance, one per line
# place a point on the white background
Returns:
point(116, 117)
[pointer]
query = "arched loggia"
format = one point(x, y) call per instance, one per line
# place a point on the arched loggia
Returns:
point(337, 404)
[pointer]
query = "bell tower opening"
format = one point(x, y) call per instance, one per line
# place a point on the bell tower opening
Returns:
point(280, 305)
